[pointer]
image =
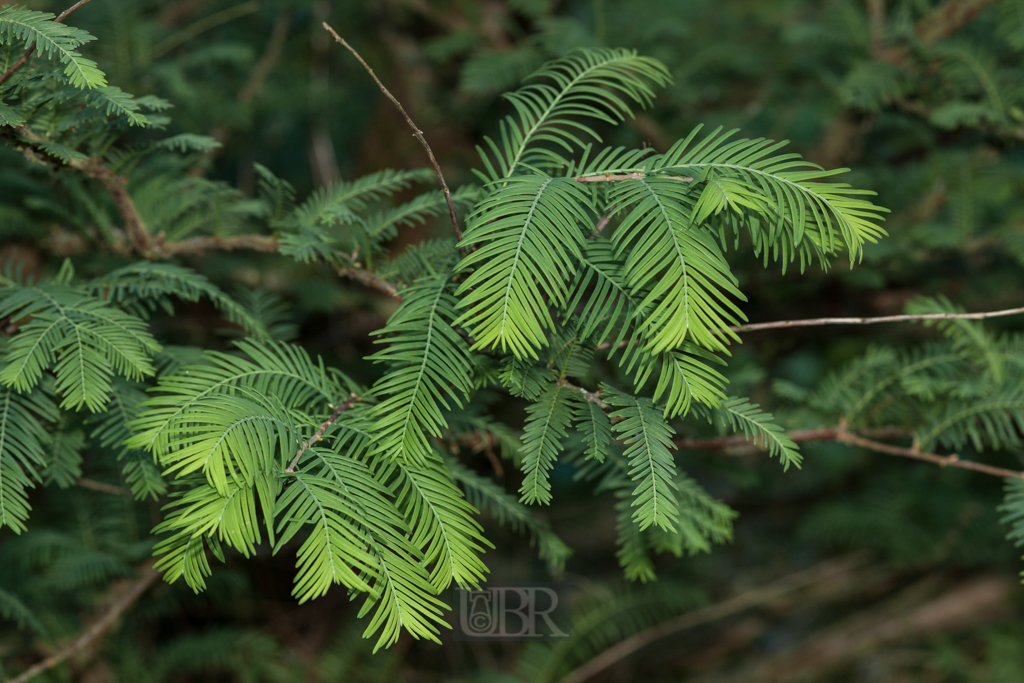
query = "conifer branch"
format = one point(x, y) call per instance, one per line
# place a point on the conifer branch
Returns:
point(353, 399)
point(28, 53)
point(138, 233)
point(99, 627)
point(417, 133)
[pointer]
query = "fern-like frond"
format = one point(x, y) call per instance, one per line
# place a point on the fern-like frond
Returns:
point(24, 434)
point(634, 550)
point(529, 230)
point(743, 416)
point(13, 609)
point(703, 521)
point(596, 428)
point(608, 309)
point(142, 287)
point(231, 438)
point(283, 371)
point(9, 116)
point(430, 369)
point(995, 420)
point(113, 102)
point(188, 142)
point(968, 335)
point(485, 494)
point(63, 455)
point(82, 339)
point(383, 225)
point(110, 430)
point(684, 286)
point(1012, 508)
point(442, 524)
point(648, 439)
point(687, 376)
point(326, 204)
point(784, 191)
point(524, 379)
point(546, 424)
point(277, 193)
point(51, 39)
point(425, 258)
point(597, 84)
point(203, 515)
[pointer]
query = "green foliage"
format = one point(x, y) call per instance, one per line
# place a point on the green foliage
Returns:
point(51, 39)
point(246, 445)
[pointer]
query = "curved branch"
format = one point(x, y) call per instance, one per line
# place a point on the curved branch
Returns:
point(98, 628)
point(416, 132)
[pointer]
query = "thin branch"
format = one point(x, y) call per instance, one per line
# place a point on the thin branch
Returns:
point(942, 22)
point(266, 62)
point(103, 487)
point(353, 399)
point(841, 434)
point(952, 460)
point(815, 322)
point(606, 218)
point(370, 279)
point(829, 569)
point(799, 435)
point(819, 322)
point(24, 58)
point(417, 133)
point(610, 178)
point(197, 245)
point(136, 229)
point(134, 226)
point(98, 627)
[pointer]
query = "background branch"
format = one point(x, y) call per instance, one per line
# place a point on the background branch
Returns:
point(417, 133)
point(99, 627)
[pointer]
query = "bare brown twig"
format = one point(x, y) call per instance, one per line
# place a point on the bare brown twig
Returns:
point(606, 218)
point(102, 487)
point(98, 628)
point(353, 399)
point(799, 435)
point(266, 62)
point(417, 133)
point(370, 279)
point(28, 53)
point(197, 245)
point(827, 570)
point(840, 434)
point(952, 460)
point(819, 322)
point(814, 322)
point(611, 178)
